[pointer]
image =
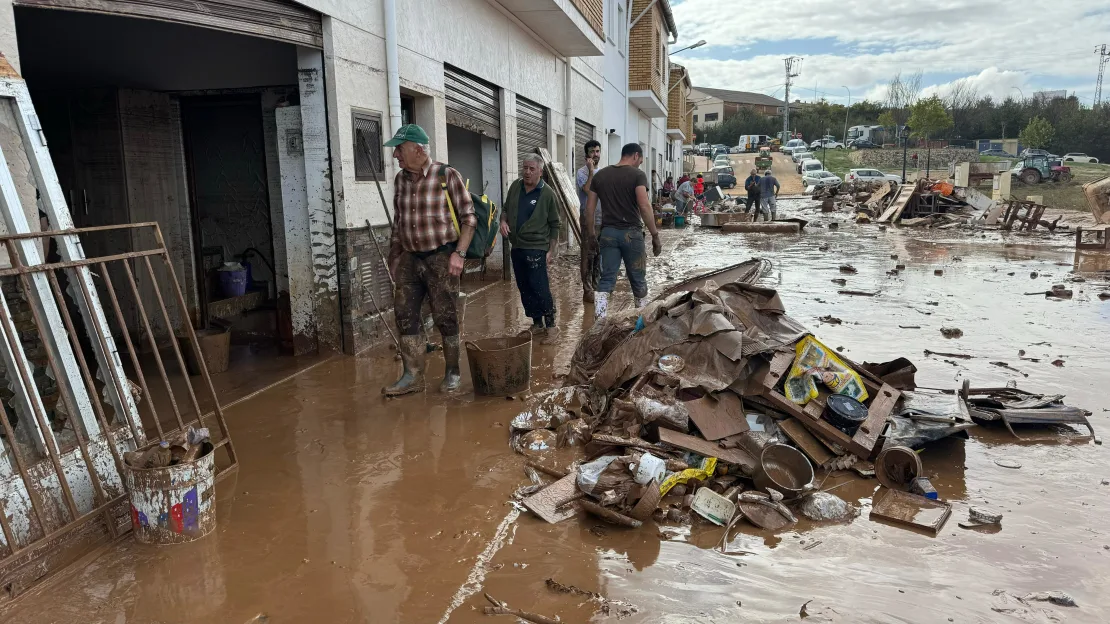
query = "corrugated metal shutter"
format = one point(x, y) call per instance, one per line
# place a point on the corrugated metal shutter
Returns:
point(583, 132)
point(472, 103)
point(282, 20)
point(531, 127)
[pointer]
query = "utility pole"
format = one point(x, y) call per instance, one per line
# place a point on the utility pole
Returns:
point(790, 73)
point(1103, 60)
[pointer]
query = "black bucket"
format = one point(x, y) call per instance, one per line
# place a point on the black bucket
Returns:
point(845, 413)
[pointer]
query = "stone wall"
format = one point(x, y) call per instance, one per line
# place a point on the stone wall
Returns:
point(892, 158)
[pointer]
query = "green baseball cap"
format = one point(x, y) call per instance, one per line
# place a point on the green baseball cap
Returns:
point(408, 132)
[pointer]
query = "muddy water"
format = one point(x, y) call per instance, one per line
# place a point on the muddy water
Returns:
point(352, 509)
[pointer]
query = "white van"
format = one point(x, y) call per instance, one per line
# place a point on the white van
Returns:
point(811, 164)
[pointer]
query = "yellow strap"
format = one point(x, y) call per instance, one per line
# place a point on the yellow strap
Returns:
point(450, 206)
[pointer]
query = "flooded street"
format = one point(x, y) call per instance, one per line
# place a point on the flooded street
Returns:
point(351, 508)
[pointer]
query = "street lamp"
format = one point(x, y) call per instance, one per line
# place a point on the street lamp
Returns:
point(689, 47)
point(1022, 94)
point(905, 148)
point(846, 114)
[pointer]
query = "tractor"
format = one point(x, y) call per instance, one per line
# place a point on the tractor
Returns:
point(763, 161)
point(1037, 169)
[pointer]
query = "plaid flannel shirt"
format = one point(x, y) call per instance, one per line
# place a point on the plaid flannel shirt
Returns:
point(423, 220)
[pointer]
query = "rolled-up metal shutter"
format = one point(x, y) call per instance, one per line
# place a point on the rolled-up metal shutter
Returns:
point(531, 127)
point(472, 103)
point(583, 132)
point(283, 20)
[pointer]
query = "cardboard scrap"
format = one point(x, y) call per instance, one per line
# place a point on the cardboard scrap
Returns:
point(706, 449)
point(718, 417)
point(809, 444)
point(545, 503)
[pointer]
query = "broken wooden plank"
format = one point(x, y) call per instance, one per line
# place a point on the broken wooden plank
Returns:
point(550, 502)
point(882, 404)
point(901, 200)
point(702, 447)
point(910, 510)
point(806, 441)
point(718, 417)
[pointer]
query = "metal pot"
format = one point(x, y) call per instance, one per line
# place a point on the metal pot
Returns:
point(783, 468)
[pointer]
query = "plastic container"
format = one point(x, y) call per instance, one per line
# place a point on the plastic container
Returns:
point(680, 221)
point(174, 504)
point(215, 347)
point(501, 366)
point(649, 468)
point(233, 282)
point(845, 413)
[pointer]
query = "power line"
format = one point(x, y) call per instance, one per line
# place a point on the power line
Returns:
point(1103, 59)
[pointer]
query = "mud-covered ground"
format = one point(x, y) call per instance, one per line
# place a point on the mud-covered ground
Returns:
point(349, 508)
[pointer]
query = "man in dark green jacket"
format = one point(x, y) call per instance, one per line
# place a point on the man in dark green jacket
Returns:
point(530, 222)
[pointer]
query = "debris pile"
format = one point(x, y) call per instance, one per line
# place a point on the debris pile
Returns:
point(711, 403)
point(187, 446)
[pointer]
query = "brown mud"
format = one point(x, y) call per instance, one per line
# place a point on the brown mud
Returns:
point(352, 508)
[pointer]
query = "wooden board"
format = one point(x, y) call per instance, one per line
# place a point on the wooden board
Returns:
point(901, 200)
point(566, 191)
point(718, 418)
point(544, 502)
point(882, 404)
point(910, 510)
point(806, 441)
point(702, 447)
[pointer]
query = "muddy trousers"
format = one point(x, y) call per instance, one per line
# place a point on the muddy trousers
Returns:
point(767, 207)
point(426, 275)
point(752, 203)
point(590, 266)
point(627, 246)
point(530, 271)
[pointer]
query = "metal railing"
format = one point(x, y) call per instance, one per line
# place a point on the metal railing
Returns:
point(45, 521)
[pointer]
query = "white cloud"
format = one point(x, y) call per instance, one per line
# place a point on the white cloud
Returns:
point(995, 46)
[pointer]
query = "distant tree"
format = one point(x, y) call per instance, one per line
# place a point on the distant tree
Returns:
point(1038, 133)
point(928, 117)
point(901, 95)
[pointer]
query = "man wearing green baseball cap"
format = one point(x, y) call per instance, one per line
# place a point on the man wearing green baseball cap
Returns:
point(426, 253)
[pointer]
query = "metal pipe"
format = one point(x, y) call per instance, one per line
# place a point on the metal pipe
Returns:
point(392, 71)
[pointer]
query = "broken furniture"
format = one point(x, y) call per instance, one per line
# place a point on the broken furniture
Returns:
point(1014, 406)
point(1027, 213)
point(1101, 239)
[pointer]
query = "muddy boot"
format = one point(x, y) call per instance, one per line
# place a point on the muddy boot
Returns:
point(452, 379)
point(641, 302)
point(412, 357)
point(588, 296)
point(551, 333)
point(601, 305)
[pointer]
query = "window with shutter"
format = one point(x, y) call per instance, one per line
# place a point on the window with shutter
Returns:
point(367, 127)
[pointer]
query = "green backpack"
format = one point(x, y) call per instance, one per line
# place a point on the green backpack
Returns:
point(485, 235)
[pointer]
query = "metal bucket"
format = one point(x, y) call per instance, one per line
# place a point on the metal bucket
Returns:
point(500, 366)
point(175, 504)
point(785, 469)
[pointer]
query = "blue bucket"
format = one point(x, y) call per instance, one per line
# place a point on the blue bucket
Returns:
point(234, 283)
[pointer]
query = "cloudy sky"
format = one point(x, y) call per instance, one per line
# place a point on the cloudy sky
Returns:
point(999, 46)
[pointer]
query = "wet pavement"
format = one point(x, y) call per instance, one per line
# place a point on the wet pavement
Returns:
point(350, 508)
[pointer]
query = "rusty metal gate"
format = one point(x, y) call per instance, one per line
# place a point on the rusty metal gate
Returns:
point(70, 410)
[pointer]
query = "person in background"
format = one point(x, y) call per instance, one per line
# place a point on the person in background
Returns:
point(426, 255)
point(530, 221)
point(683, 195)
point(591, 257)
point(668, 187)
point(654, 186)
point(751, 185)
point(699, 186)
point(623, 188)
point(768, 193)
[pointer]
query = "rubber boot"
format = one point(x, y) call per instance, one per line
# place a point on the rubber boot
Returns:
point(412, 358)
point(641, 302)
point(601, 305)
point(452, 379)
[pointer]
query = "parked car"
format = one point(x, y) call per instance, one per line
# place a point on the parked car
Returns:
point(722, 160)
point(810, 164)
point(820, 179)
point(800, 155)
point(702, 149)
point(726, 178)
point(826, 143)
point(735, 149)
point(871, 175)
point(719, 148)
point(862, 144)
point(997, 153)
point(1078, 157)
point(1038, 152)
point(792, 145)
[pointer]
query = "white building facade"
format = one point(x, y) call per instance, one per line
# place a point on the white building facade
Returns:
point(183, 82)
